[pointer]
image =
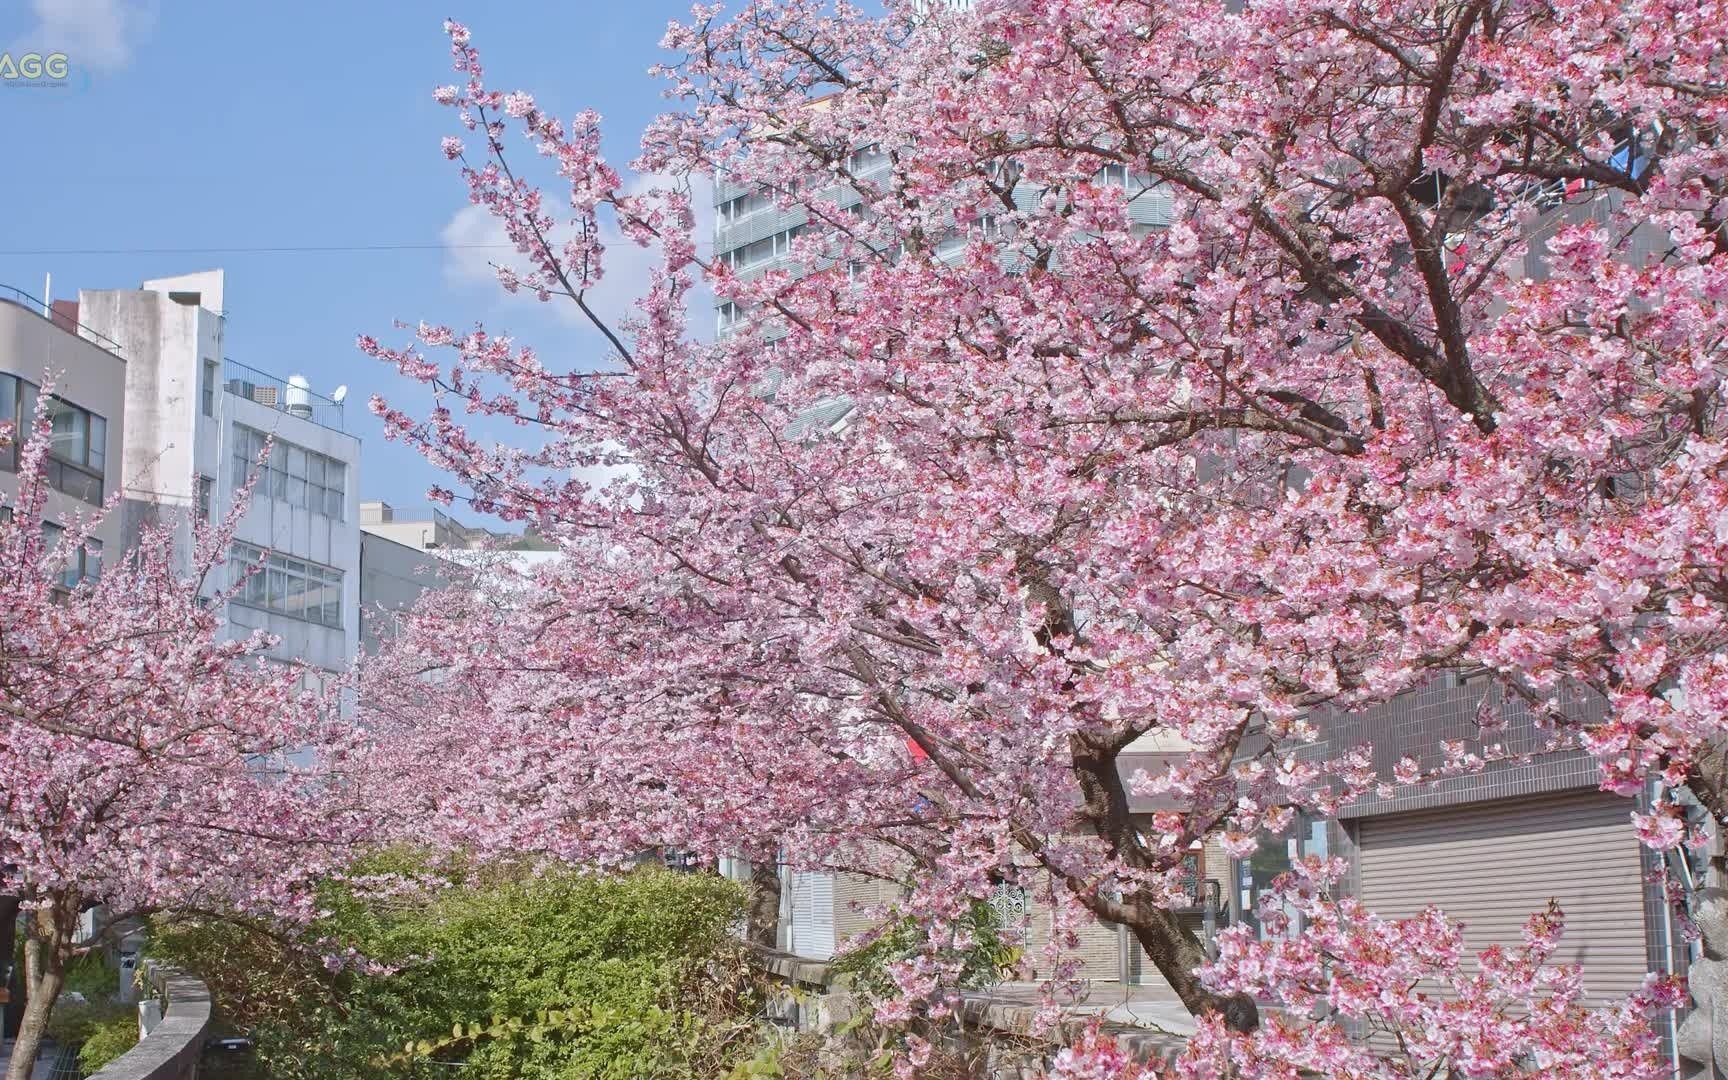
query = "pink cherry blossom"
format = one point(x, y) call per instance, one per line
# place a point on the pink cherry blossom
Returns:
point(1298, 420)
point(148, 762)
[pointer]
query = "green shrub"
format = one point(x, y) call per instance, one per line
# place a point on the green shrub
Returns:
point(108, 1040)
point(549, 976)
point(977, 942)
point(91, 976)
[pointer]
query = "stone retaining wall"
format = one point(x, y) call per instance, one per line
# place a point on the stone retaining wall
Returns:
point(811, 1003)
point(172, 1049)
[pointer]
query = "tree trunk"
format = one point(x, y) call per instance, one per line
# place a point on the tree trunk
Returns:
point(48, 948)
point(762, 920)
point(1177, 953)
point(1173, 949)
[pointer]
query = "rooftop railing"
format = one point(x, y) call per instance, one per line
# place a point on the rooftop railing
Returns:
point(11, 294)
point(289, 395)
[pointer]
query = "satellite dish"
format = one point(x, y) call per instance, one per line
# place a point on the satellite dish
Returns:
point(340, 393)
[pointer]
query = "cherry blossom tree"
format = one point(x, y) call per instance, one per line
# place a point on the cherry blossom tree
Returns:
point(1180, 370)
point(1417, 1008)
point(146, 763)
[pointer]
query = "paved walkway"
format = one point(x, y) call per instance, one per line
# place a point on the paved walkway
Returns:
point(44, 1061)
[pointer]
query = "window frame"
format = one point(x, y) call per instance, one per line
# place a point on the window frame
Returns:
point(282, 578)
point(207, 388)
point(86, 479)
point(279, 480)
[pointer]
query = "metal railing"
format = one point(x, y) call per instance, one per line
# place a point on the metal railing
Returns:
point(11, 294)
point(283, 395)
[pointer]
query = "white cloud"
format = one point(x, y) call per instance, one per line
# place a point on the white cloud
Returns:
point(99, 34)
point(475, 243)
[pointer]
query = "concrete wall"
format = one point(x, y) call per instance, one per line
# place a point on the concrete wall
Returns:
point(164, 343)
point(392, 577)
point(175, 1044)
point(88, 376)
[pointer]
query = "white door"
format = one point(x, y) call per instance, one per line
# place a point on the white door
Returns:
point(810, 933)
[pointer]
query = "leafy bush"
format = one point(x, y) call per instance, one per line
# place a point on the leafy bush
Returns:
point(108, 1040)
point(515, 974)
point(91, 976)
point(976, 941)
point(73, 1023)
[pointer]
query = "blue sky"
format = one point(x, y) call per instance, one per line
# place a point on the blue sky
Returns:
point(312, 124)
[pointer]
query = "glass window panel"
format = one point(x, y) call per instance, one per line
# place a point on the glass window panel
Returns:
point(296, 461)
point(256, 586)
point(74, 481)
point(297, 490)
point(98, 458)
point(93, 558)
point(315, 469)
point(333, 605)
point(333, 501)
point(276, 588)
point(278, 487)
point(70, 427)
point(294, 600)
point(26, 405)
point(8, 398)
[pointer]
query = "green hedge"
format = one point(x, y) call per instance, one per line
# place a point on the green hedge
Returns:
point(559, 975)
point(108, 1040)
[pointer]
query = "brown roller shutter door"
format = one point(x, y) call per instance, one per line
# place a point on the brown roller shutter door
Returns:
point(1492, 864)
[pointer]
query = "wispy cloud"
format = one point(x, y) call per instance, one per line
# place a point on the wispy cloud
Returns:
point(475, 244)
point(99, 34)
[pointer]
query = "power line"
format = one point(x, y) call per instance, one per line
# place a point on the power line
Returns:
point(283, 249)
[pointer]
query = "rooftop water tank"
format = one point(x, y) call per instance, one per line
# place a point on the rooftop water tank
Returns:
point(299, 397)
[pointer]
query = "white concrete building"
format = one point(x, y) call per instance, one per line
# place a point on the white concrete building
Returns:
point(392, 576)
point(197, 424)
point(405, 551)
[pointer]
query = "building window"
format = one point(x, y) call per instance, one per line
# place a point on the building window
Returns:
point(77, 439)
point(85, 562)
point(728, 315)
point(288, 586)
point(17, 408)
point(293, 474)
point(206, 490)
point(762, 251)
point(207, 389)
point(732, 211)
point(1113, 176)
point(865, 159)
